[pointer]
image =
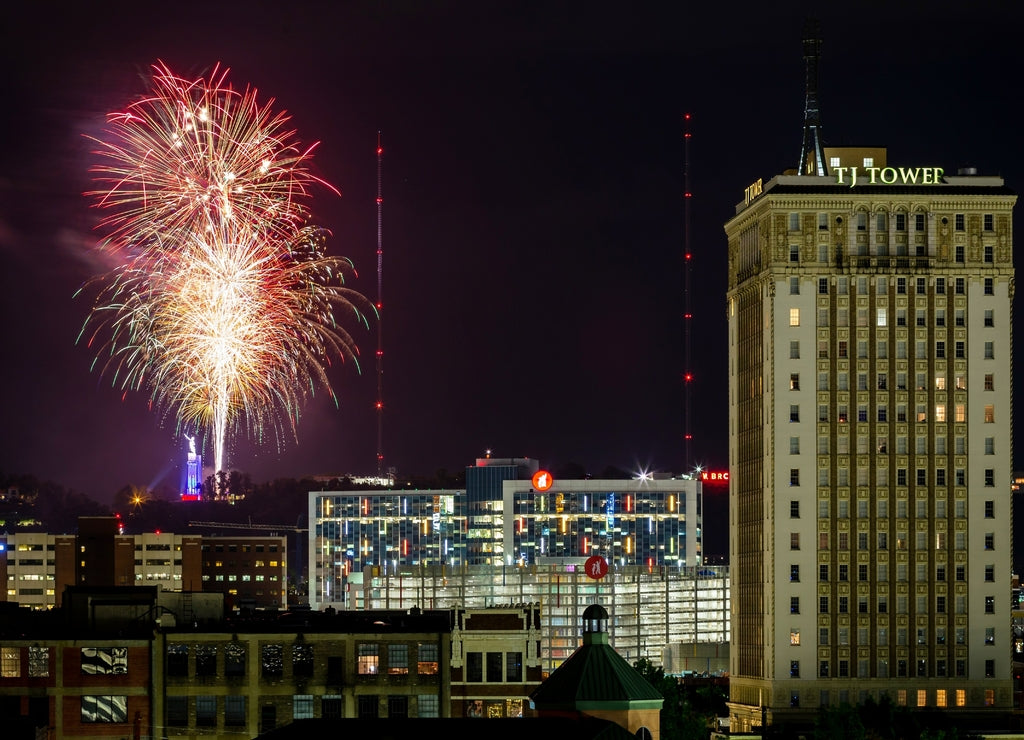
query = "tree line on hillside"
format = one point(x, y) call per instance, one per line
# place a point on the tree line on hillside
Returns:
point(690, 711)
point(30, 504)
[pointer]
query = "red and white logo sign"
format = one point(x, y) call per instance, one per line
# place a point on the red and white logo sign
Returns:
point(542, 480)
point(596, 567)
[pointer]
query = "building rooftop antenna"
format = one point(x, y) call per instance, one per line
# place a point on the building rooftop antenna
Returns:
point(812, 150)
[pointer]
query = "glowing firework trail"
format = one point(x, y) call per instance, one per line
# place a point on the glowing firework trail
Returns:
point(223, 305)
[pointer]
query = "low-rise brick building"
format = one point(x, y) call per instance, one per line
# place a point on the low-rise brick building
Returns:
point(141, 661)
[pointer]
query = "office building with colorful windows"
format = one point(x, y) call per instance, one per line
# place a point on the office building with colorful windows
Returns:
point(382, 529)
point(518, 535)
point(645, 522)
point(511, 513)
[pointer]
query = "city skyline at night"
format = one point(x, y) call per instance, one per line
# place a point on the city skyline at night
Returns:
point(533, 220)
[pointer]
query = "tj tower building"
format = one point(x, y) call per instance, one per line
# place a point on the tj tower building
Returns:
point(869, 312)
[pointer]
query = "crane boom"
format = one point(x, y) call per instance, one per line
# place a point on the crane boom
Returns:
point(249, 525)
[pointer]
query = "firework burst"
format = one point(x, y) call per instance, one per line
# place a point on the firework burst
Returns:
point(223, 304)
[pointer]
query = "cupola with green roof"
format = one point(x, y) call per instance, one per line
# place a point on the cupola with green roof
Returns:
point(597, 681)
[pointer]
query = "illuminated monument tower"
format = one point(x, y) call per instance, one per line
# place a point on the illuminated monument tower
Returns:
point(870, 401)
point(194, 474)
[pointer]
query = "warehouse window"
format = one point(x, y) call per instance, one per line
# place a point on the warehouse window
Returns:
point(302, 706)
point(177, 711)
point(234, 659)
point(398, 706)
point(494, 667)
point(104, 709)
point(10, 662)
point(234, 710)
point(206, 711)
point(427, 659)
point(475, 667)
point(398, 659)
point(368, 659)
point(104, 661)
point(272, 660)
point(428, 705)
point(38, 661)
point(302, 659)
point(513, 667)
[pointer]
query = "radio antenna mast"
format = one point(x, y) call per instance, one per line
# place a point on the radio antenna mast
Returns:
point(687, 311)
point(380, 315)
point(812, 151)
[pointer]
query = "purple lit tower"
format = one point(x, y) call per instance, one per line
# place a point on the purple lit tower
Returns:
point(193, 480)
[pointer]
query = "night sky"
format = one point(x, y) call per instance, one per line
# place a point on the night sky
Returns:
point(533, 218)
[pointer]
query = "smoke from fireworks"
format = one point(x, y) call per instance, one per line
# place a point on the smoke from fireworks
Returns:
point(222, 306)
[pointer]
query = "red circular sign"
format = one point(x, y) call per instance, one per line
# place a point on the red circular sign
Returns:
point(596, 566)
point(542, 480)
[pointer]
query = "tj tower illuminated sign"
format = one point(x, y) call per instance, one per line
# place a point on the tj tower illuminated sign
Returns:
point(854, 176)
point(890, 175)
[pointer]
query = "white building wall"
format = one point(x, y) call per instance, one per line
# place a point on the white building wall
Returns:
point(998, 525)
point(786, 627)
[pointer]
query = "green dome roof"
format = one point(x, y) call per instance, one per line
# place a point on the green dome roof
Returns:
point(596, 677)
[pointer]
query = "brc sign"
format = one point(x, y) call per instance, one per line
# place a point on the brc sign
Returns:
point(712, 476)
